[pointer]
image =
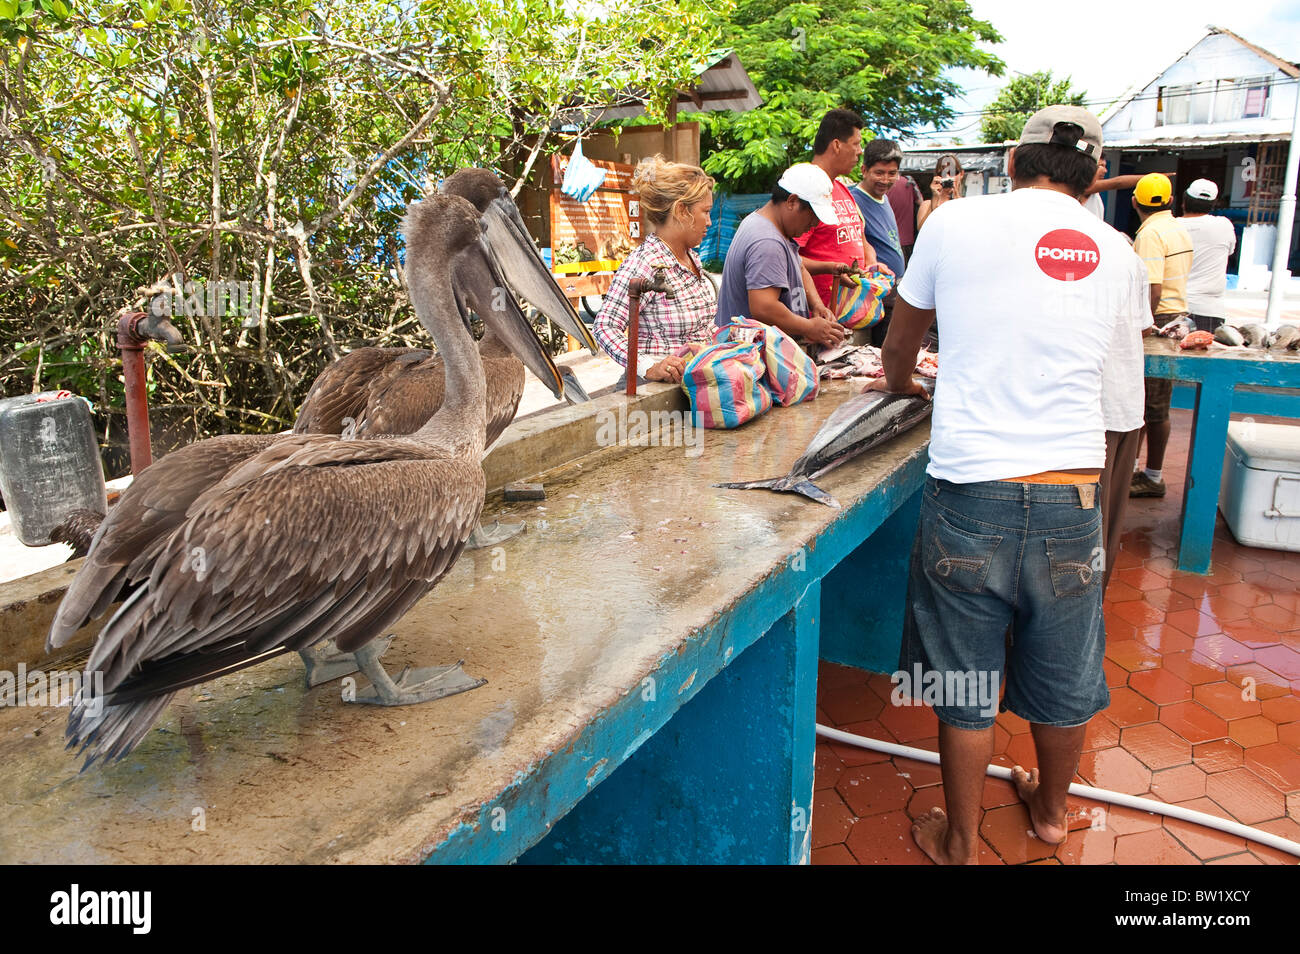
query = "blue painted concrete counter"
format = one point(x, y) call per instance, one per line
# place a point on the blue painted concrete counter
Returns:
point(650, 645)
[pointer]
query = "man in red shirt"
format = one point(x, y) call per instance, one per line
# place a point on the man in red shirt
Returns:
point(827, 249)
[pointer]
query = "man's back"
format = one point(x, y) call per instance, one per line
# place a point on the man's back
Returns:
point(1027, 288)
point(1213, 240)
point(1166, 249)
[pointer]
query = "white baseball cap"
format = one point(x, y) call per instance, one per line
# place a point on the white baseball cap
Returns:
point(811, 183)
point(1203, 189)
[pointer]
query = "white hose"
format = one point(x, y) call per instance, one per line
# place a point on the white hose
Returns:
point(1083, 791)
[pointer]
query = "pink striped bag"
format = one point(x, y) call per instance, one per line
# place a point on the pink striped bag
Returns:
point(724, 382)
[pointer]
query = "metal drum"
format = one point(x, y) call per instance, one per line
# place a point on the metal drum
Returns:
point(49, 462)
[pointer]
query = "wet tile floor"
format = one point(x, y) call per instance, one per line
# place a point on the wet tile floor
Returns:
point(1181, 648)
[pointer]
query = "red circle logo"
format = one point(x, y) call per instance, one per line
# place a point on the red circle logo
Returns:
point(1067, 255)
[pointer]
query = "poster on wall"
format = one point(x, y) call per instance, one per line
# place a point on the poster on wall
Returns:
point(595, 235)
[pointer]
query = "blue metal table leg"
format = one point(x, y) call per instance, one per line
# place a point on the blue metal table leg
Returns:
point(1204, 471)
point(728, 779)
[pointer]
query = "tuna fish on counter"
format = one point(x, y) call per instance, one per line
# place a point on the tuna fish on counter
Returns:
point(862, 422)
point(1255, 335)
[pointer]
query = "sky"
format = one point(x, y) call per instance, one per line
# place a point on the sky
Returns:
point(1119, 45)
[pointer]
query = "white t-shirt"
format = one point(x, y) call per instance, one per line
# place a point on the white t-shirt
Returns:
point(1213, 240)
point(1095, 205)
point(1123, 393)
point(1028, 288)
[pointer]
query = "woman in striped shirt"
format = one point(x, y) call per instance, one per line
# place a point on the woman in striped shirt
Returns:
point(676, 200)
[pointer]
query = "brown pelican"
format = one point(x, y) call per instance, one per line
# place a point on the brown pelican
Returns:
point(313, 537)
point(395, 390)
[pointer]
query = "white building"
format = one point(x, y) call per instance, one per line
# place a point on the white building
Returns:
point(1222, 111)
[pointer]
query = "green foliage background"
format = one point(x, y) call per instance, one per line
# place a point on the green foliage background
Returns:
point(1024, 95)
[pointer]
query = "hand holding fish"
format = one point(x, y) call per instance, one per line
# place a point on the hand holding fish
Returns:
point(823, 329)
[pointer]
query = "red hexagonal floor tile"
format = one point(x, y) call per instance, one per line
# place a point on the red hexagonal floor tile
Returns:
point(1280, 659)
point(1252, 731)
point(908, 723)
point(1278, 764)
point(831, 821)
point(1178, 784)
point(1193, 623)
point(1219, 755)
point(1225, 700)
point(1248, 797)
point(1194, 722)
point(1010, 833)
point(1165, 639)
point(1137, 613)
point(1131, 654)
point(1289, 734)
point(1155, 847)
point(1247, 594)
point(1100, 734)
point(1115, 769)
point(1204, 842)
point(833, 855)
point(856, 755)
point(1128, 708)
point(1223, 650)
point(918, 774)
point(1255, 679)
point(1282, 709)
point(849, 703)
point(1160, 686)
point(873, 789)
point(828, 767)
point(1192, 668)
point(1156, 745)
point(886, 840)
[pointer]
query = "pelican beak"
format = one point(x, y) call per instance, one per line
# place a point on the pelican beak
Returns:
point(482, 286)
point(574, 392)
point(515, 255)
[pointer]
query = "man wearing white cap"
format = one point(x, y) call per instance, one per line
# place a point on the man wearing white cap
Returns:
point(764, 278)
point(1213, 240)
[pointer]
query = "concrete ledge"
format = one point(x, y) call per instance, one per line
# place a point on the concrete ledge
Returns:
point(531, 445)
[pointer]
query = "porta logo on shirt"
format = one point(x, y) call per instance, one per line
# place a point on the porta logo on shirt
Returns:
point(1067, 255)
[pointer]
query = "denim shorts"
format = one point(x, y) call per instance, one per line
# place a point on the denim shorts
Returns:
point(999, 554)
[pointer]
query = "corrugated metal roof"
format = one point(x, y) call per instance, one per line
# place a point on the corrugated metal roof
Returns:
point(1195, 142)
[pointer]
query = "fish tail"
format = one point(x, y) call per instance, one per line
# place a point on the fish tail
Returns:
point(783, 485)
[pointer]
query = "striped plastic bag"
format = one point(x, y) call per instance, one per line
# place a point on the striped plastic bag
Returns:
point(791, 374)
point(725, 382)
point(861, 305)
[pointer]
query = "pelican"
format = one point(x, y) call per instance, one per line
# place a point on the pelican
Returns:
point(312, 537)
point(395, 390)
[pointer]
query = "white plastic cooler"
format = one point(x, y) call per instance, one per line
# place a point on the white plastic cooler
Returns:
point(1260, 491)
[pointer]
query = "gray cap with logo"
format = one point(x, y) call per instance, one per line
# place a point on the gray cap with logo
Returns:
point(1071, 126)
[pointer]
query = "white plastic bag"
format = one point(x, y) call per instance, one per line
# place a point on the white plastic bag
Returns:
point(582, 178)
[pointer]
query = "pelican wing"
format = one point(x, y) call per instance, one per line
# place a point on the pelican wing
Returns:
point(342, 390)
point(147, 512)
point(282, 561)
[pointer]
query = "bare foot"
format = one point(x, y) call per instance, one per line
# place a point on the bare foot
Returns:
point(930, 832)
point(1027, 788)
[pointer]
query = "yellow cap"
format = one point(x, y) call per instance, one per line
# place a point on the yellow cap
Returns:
point(1153, 189)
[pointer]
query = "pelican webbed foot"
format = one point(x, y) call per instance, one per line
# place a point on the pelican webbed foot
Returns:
point(411, 686)
point(489, 535)
point(325, 662)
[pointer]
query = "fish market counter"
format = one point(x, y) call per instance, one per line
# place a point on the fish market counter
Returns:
point(1241, 380)
point(650, 646)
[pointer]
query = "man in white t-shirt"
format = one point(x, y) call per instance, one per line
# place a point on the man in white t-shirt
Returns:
point(1029, 290)
point(1213, 240)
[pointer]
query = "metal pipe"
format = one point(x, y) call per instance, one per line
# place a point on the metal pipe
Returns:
point(1285, 219)
point(134, 328)
point(635, 288)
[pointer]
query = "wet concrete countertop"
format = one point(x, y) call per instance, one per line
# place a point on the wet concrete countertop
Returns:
point(630, 553)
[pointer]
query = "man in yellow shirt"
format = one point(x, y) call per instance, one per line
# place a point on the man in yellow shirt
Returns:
point(1166, 249)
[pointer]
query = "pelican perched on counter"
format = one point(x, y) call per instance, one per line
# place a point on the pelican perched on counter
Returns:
point(314, 537)
point(395, 390)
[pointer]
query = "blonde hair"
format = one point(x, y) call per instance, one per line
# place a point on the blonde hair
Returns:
point(661, 184)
